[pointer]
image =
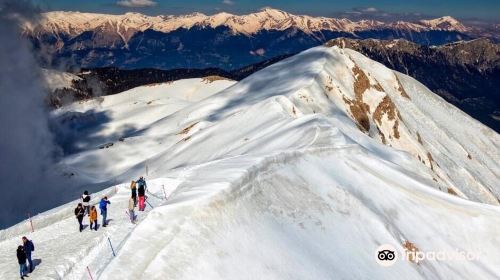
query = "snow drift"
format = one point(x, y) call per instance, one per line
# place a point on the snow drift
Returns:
point(300, 171)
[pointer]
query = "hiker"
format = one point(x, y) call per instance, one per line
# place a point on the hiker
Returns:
point(131, 207)
point(141, 191)
point(21, 259)
point(103, 206)
point(80, 213)
point(86, 202)
point(28, 248)
point(93, 217)
point(133, 188)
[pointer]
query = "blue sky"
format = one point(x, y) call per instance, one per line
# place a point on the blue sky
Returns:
point(480, 9)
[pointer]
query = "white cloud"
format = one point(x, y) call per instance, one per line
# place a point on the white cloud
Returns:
point(258, 52)
point(136, 3)
point(228, 2)
point(370, 10)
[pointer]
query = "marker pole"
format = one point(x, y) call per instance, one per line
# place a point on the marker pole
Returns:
point(31, 222)
point(164, 192)
point(90, 274)
point(110, 245)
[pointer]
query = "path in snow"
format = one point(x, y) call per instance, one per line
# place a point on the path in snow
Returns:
point(63, 252)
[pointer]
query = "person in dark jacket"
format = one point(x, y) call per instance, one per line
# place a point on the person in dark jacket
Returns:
point(103, 206)
point(141, 191)
point(80, 213)
point(133, 189)
point(21, 259)
point(28, 247)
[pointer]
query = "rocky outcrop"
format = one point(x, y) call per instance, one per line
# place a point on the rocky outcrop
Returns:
point(466, 74)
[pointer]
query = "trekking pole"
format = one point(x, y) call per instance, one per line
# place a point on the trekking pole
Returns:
point(90, 274)
point(164, 193)
point(149, 203)
point(31, 222)
point(110, 245)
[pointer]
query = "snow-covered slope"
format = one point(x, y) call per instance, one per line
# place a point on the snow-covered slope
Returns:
point(300, 171)
point(74, 23)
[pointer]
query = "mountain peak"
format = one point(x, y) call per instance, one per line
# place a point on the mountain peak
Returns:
point(444, 23)
point(267, 18)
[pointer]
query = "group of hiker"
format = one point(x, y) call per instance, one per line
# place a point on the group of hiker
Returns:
point(138, 189)
point(84, 208)
point(138, 195)
point(24, 255)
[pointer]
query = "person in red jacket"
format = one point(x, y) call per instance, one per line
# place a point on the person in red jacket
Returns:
point(141, 191)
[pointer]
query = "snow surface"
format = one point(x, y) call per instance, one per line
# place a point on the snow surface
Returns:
point(273, 178)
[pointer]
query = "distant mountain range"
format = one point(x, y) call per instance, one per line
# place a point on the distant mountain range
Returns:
point(225, 41)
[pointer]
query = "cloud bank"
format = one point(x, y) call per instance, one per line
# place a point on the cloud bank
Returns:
point(136, 3)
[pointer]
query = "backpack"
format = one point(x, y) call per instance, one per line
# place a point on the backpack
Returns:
point(78, 211)
point(32, 246)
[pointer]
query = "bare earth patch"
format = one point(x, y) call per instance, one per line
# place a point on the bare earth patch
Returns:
point(429, 156)
point(451, 191)
point(213, 78)
point(359, 109)
point(419, 139)
point(186, 129)
point(401, 89)
point(411, 250)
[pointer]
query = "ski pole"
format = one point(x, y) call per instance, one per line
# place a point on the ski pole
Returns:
point(149, 203)
point(110, 245)
point(90, 274)
point(164, 193)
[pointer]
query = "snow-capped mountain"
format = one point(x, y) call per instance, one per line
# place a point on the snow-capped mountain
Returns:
point(134, 40)
point(300, 171)
point(74, 23)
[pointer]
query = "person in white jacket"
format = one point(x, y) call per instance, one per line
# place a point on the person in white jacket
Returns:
point(86, 202)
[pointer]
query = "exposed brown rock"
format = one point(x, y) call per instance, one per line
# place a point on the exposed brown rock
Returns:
point(361, 83)
point(419, 139)
point(385, 107)
point(451, 191)
point(213, 78)
point(469, 156)
point(382, 136)
point(378, 87)
point(411, 251)
point(429, 156)
point(186, 129)
point(359, 112)
point(401, 89)
point(395, 129)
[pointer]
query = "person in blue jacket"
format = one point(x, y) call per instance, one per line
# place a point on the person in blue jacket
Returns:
point(103, 206)
point(28, 248)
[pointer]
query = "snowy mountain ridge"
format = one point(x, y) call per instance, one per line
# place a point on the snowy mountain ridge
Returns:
point(302, 170)
point(74, 23)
